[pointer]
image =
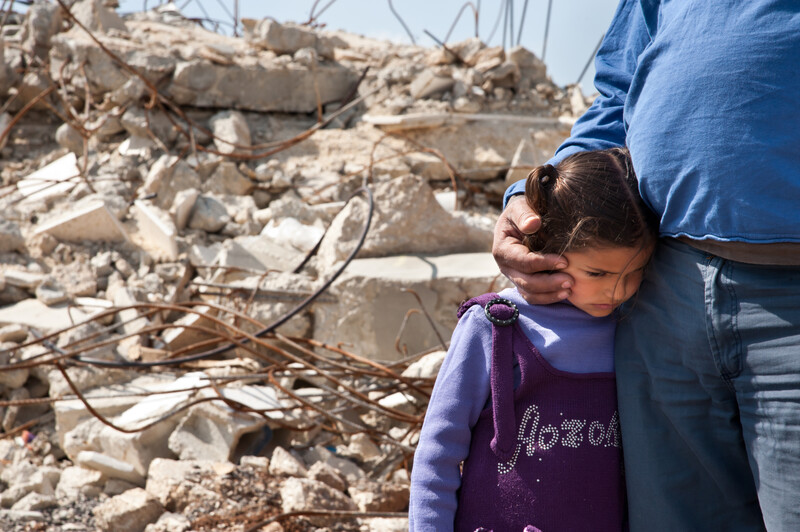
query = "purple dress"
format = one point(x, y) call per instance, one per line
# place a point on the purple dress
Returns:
point(546, 454)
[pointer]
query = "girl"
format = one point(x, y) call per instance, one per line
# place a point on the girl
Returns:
point(526, 396)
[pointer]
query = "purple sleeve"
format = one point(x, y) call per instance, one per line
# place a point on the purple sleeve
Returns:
point(459, 395)
point(602, 126)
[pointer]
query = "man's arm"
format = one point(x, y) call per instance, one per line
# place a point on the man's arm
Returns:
point(601, 127)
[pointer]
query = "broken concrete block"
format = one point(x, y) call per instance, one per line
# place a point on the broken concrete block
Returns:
point(183, 333)
point(156, 230)
point(298, 494)
point(372, 496)
point(55, 179)
point(280, 38)
point(227, 179)
point(531, 67)
point(35, 314)
point(350, 471)
point(136, 147)
point(182, 206)
point(76, 481)
point(577, 101)
point(290, 232)
point(97, 17)
point(405, 210)
point(10, 237)
point(141, 123)
point(259, 87)
point(283, 464)
point(42, 21)
point(130, 511)
point(50, 293)
point(269, 254)
point(33, 502)
point(426, 367)
point(170, 522)
point(208, 214)
point(429, 83)
point(230, 129)
point(67, 137)
point(167, 177)
point(328, 474)
point(166, 479)
point(140, 448)
point(372, 304)
point(212, 432)
point(23, 278)
point(93, 222)
point(362, 446)
point(122, 297)
point(110, 467)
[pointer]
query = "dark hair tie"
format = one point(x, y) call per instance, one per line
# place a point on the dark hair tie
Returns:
point(548, 171)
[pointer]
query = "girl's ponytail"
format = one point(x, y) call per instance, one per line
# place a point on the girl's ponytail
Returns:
point(538, 192)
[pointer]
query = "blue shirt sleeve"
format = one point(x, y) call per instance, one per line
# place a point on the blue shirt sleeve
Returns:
point(460, 394)
point(602, 126)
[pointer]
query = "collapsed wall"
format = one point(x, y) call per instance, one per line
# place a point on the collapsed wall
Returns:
point(215, 249)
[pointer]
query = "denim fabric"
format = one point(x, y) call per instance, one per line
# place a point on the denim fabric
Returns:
point(708, 377)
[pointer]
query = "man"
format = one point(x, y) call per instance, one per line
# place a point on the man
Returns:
point(706, 95)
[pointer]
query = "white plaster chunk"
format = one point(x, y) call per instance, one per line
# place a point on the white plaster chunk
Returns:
point(109, 466)
point(284, 464)
point(131, 511)
point(76, 481)
point(55, 179)
point(157, 228)
point(34, 313)
point(93, 222)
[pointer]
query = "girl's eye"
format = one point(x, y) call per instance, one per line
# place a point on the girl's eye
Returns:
point(595, 274)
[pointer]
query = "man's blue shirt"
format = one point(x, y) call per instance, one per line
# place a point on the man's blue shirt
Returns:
point(706, 95)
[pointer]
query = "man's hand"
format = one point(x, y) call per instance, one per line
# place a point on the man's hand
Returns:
point(522, 266)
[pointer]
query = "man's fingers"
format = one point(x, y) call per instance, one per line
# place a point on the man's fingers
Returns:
point(541, 288)
point(521, 215)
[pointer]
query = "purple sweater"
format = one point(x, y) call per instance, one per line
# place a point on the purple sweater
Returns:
point(560, 332)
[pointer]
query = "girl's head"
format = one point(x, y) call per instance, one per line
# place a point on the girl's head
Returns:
point(592, 214)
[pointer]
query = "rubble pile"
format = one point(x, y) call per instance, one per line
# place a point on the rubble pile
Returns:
point(229, 265)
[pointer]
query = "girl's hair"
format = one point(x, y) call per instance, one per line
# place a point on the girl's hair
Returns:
point(590, 199)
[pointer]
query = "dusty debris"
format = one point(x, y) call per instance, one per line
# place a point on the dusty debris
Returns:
point(229, 266)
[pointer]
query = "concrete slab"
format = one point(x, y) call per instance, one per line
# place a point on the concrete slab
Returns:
point(92, 222)
point(55, 179)
point(157, 230)
point(33, 313)
point(372, 301)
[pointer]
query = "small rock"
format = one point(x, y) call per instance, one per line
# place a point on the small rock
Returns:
point(131, 511)
point(230, 128)
point(283, 463)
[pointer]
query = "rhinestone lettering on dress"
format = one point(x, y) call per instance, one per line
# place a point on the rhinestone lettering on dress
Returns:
point(571, 434)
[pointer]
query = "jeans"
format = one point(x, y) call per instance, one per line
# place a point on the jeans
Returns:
point(708, 379)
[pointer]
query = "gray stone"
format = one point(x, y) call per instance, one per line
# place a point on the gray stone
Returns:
point(167, 177)
point(259, 87)
point(208, 214)
point(299, 494)
point(33, 502)
point(328, 474)
point(10, 237)
point(230, 129)
point(227, 179)
point(170, 522)
point(97, 17)
point(350, 471)
point(280, 38)
point(42, 21)
point(76, 481)
point(372, 301)
point(372, 496)
point(131, 511)
point(429, 83)
point(211, 431)
point(67, 137)
point(283, 464)
point(182, 206)
point(405, 210)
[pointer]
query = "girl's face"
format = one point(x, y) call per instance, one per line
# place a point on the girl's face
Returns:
point(605, 277)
